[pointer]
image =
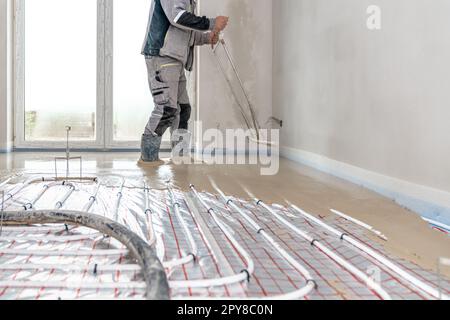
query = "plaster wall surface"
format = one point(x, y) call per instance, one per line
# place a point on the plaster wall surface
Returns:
point(377, 100)
point(249, 38)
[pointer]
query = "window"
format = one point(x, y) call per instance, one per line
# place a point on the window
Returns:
point(60, 69)
point(78, 64)
point(131, 94)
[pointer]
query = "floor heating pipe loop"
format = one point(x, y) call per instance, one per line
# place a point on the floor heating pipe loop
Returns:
point(92, 198)
point(250, 266)
point(22, 186)
point(360, 223)
point(328, 252)
point(29, 182)
point(31, 205)
point(66, 197)
point(73, 285)
point(148, 212)
point(209, 283)
point(437, 224)
point(310, 282)
point(65, 253)
point(118, 200)
point(50, 238)
point(139, 219)
point(71, 267)
point(380, 258)
point(217, 282)
point(192, 256)
point(5, 182)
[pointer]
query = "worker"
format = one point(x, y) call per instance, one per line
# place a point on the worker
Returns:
point(172, 33)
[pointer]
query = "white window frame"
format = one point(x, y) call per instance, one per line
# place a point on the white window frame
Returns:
point(19, 86)
point(104, 111)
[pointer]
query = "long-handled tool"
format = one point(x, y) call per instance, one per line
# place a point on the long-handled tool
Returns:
point(252, 124)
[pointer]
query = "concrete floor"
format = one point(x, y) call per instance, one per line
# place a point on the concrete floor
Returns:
point(409, 237)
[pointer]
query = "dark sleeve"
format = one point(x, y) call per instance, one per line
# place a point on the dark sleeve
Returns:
point(191, 21)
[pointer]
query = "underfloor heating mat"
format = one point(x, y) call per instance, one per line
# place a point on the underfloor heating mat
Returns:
point(209, 248)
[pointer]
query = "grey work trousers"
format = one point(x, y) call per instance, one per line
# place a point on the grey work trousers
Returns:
point(167, 82)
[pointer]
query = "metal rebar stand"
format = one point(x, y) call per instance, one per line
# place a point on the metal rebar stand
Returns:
point(68, 158)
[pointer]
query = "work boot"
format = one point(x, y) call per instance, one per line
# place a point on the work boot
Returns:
point(150, 145)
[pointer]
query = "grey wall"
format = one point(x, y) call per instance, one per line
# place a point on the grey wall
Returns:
point(249, 37)
point(379, 100)
point(6, 135)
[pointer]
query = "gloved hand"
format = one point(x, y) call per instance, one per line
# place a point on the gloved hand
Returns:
point(221, 24)
point(213, 38)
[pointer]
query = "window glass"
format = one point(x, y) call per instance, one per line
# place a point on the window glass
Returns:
point(60, 69)
point(133, 102)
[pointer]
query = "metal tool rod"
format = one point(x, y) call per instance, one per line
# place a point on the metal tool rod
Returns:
point(222, 69)
point(67, 158)
point(241, 83)
point(67, 152)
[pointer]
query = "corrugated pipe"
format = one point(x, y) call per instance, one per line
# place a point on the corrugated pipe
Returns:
point(156, 284)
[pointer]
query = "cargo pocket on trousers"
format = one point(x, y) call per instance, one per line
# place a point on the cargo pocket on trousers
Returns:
point(160, 92)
